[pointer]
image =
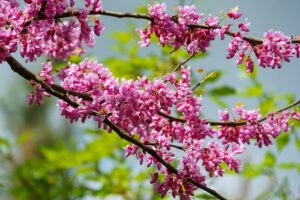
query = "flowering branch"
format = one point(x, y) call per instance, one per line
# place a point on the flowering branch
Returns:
point(138, 107)
point(233, 124)
point(60, 93)
point(251, 40)
point(101, 12)
point(171, 145)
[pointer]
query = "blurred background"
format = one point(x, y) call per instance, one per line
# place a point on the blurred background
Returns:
point(43, 156)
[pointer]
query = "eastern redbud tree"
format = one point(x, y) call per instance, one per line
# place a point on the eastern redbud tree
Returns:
point(158, 117)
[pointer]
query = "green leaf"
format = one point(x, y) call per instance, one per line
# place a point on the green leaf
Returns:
point(204, 196)
point(267, 105)
point(253, 91)
point(269, 159)
point(298, 167)
point(282, 141)
point(252, 170)
point(4, 142)
point(25, 136)
point(297, 143)
point(213, 79)
point(92, 131)
point(223, 90)
point(123, 37)
point(210, 75)
point(142, 9)
point(288, 165)
point(218, 101)
point(75, 59)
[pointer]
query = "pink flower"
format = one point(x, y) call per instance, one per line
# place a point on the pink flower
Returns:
point(276, 48)
point(212, 21)
point(46, 75)
point(188, 15)
point(145, 37)
point(249, 65)
point(11, 22)
point(244, 26)
point(234, 14)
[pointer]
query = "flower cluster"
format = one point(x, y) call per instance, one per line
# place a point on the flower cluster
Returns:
point(185, 29)
point(276, 48)
point(11, 21)
point(135, 106)
point(39, 30)
point(261, 132)
point(175, 31)
point(46, 76)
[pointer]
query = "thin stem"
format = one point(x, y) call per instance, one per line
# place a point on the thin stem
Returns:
point(182, 63)
point(26, 74)
point(101, 12)
point(171, 145)
point(217, 123)
point(253, 41)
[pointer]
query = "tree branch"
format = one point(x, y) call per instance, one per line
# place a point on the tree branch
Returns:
point(54, 89)
point(253, 41)
point(171, 145)
point(23, 72)
point(233, 124)
point(61, 93)
point(182, 63)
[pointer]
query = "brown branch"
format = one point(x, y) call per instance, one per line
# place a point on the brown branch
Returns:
point(101, 12)
point(253, 41)
point(182, 63)
point(61, 93)
point(54, 89)
point(23, 72)
point(19, 69)
point(171, 145)
point(216, 123)
point(71, 92)
point(153, 153)
point(171, 118)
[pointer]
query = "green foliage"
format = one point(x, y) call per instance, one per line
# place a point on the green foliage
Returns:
point(4, 142)
point(282, 141)
point(205, 196)
point(290, 166)
point(252, 170)
point(223, 90)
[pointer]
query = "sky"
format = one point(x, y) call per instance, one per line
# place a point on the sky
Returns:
point(263, 15)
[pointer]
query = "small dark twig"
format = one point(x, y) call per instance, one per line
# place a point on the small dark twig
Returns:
point(216, 123)
point(253, 41)
point(182, 63)
point(171, 145)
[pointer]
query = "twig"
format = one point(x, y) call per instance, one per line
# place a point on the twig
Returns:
point(182, 63)
point(197, 85)
point(23, 72)
point(60, 92)
point(171, 145)
point(253, 41)
point(53, 89)
point(171, 118)
point(216, 123)
point(101, 12)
